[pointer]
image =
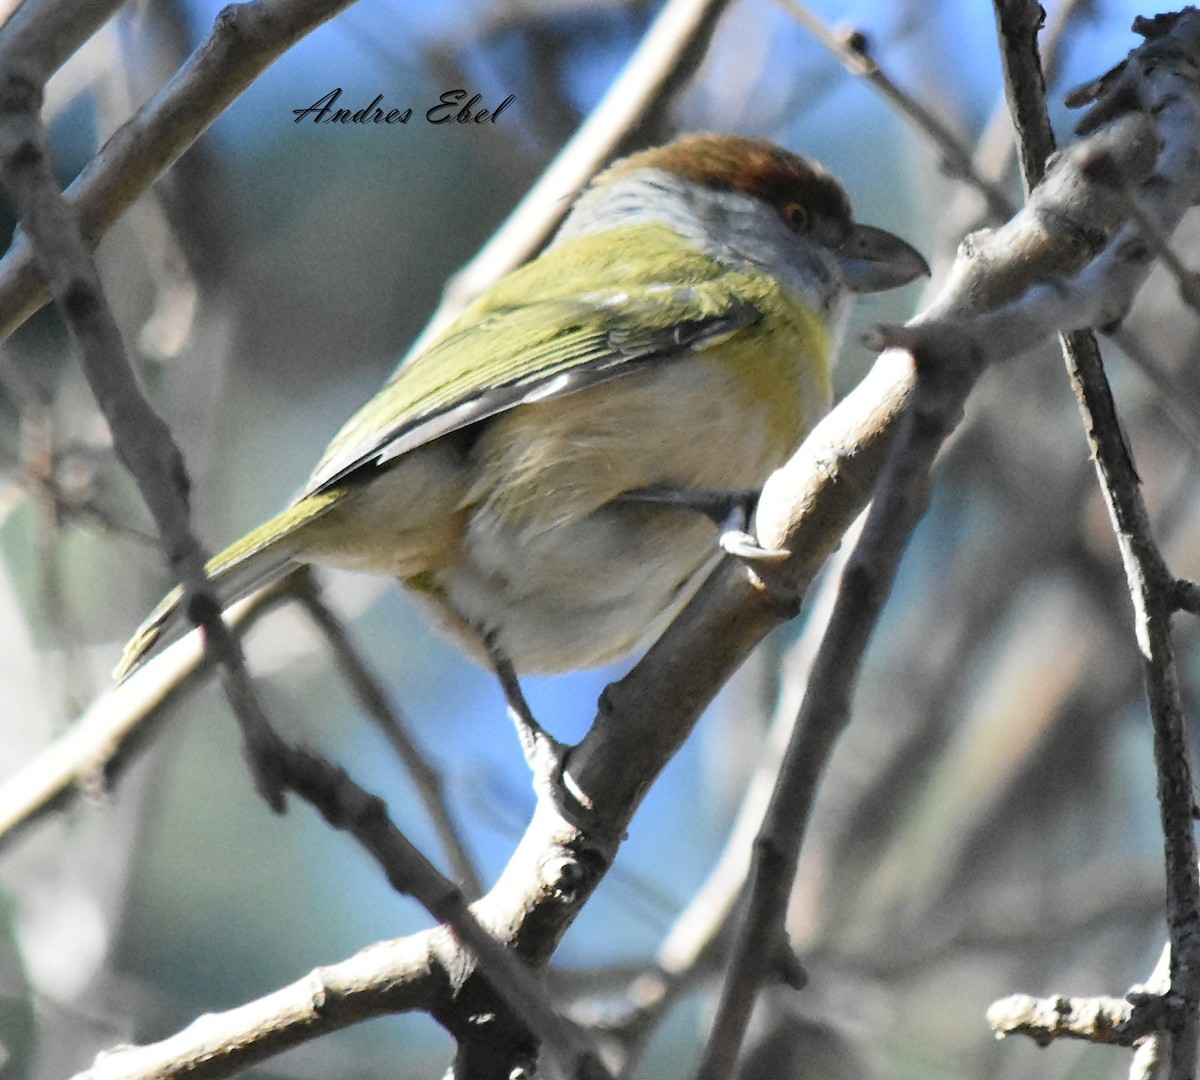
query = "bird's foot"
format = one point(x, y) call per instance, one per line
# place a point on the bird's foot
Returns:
point(741, 545)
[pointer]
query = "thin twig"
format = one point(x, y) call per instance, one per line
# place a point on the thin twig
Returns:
point(245, 40)
point(1153, 592)
point(980, 293)
point(142, 441)
point(35, 471)
point(429, 784)
point(43, 486)
point(1177, 403)
point(1187, 597)
point(105, 737)
point(865, 584)
point(1017, 25)
point(852, 49)
point(345, 805)
point(700, 933)
point(995, 148)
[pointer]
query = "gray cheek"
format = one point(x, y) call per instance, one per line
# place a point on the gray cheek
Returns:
point(756, 236)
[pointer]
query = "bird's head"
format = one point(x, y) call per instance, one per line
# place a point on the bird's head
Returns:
point(747, 201)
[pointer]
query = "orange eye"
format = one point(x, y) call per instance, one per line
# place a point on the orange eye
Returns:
point(796, 216)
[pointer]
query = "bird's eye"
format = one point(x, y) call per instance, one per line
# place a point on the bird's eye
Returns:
point(796, 217)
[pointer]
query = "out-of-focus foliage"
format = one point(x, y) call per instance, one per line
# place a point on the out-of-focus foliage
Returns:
point(989, 823)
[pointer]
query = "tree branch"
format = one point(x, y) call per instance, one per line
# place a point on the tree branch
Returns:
point(1009, 288)
point(1152, 587)
point(245, 40)
point(425, 777)
point(852, 49)
point(987, 310)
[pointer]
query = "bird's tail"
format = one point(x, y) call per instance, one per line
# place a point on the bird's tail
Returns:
point(259, 559)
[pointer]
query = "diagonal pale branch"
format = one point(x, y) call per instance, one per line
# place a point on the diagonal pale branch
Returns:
point(41, 35)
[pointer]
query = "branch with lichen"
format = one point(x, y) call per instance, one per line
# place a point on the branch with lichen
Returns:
point(1132, 1021)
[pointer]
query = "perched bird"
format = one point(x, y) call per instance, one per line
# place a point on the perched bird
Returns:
point(549, 476)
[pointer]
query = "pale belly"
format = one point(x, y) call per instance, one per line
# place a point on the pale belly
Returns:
point(580, 595)
point(554, 563)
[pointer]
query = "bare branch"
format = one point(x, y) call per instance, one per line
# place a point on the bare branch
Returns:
point(852, 49)
point(1153, 589)
point(425, 776)
point(143, 443)
point(951, 341)
point(114, 727)
point(1017, 25)
point(865, 584)
point(41, 35)
point(993, 308)
point(1117, 1021)
point(1095, 1019)
point(245, 40)
point(699, 935)
point(345, 805)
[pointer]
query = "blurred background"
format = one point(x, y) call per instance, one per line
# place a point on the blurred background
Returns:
point(988, 825)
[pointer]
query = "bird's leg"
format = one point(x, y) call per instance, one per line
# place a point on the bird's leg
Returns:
point(537, 744)
point(544, 754)
point(729, 510)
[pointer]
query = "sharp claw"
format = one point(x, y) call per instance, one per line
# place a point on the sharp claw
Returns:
point(741, 545)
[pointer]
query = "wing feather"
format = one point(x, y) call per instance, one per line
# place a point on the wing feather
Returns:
point(543, 342)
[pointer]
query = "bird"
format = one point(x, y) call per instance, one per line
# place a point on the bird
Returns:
point(553, 477)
